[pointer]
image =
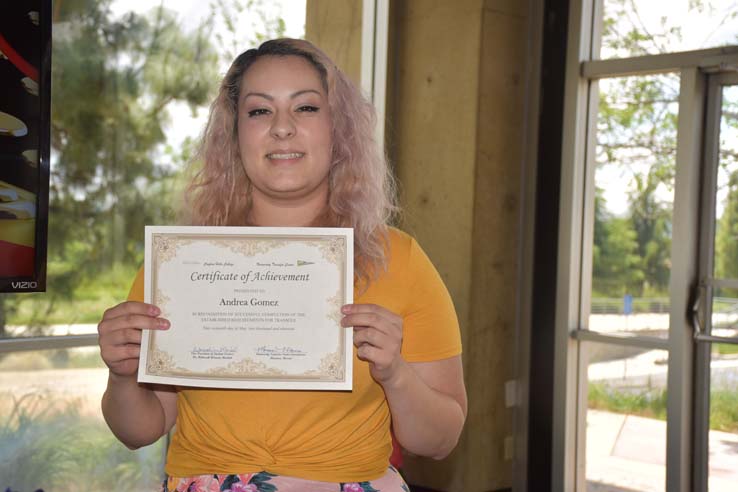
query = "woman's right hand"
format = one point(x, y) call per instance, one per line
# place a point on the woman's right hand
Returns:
point(120, 334)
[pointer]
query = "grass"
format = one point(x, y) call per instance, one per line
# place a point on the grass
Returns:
point(724, 410)
point(645, 403)
point(652, 404)
point(45, 444)
point(725, 348)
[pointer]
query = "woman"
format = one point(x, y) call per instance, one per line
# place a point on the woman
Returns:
point(290, 143)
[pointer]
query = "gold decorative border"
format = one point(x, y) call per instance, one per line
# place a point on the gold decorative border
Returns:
point(331, 368)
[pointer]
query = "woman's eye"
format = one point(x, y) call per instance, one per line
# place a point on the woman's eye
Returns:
point(257, 112)
point(308, 109)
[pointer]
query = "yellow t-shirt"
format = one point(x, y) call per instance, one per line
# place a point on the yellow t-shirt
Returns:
point(318, 435)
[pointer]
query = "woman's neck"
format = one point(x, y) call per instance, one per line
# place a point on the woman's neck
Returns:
point(270, 212)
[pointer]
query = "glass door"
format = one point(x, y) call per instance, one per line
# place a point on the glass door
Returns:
point(715, 314)
point(653, 398)
point(646, 397)
point(625, 345)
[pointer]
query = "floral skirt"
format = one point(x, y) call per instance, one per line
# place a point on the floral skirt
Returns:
point(391, 481)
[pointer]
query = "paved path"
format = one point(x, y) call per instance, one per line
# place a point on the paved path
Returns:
point(75, 329)
point(648, 370)
point(654, 322)
point(83, 387)
point(628, 453)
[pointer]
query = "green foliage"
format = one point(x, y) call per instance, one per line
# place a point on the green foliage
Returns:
point(651, 403)
point(113, 79)
point(725, 348)
point(113, 170)
point(264, 25)
point(724, 410)
point(726, 238)
point(108, 124)
point(616, 268)
point(49, 445)
point(645, 403)
point(91, 297)
point(651, 220)
point(636, 134)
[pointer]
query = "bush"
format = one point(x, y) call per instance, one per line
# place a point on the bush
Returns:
point(45, 444)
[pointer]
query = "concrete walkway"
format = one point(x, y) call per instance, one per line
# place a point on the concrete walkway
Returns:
point(627, 453)
point(59, 330)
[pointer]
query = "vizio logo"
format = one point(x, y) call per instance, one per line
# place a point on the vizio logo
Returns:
point(24, 285)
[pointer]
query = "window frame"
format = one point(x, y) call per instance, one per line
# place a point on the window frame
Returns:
point(574, 262)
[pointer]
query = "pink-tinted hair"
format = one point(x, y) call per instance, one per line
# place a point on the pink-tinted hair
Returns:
point(362, 189)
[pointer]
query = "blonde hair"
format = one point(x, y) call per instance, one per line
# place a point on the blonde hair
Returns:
point(361, 187)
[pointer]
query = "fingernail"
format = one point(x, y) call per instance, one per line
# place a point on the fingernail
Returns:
point(346, 309)
point(163, 323)
point(155, 311)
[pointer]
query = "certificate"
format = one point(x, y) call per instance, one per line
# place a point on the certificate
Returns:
point(250, 307)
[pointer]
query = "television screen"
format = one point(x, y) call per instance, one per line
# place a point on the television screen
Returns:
point(25, 95)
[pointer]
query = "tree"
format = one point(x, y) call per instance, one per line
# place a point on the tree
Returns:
point(726, 237)
point(616, 263)
point(113, 80)
point(636, 134)
point(651, 220)
point(264, 25)
point(108, 122)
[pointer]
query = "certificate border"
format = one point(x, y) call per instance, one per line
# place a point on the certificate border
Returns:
point(265, 381)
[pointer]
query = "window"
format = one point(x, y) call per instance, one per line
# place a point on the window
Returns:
point(131, 89)
point(648, 373)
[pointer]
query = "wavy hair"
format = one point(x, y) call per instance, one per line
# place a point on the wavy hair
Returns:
point(361, 188)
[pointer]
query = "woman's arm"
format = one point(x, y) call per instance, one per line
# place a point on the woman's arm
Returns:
point(427, 399)
point(137, 414)
point(428, 405)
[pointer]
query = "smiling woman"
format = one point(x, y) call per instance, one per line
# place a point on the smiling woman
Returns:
point(290, 143)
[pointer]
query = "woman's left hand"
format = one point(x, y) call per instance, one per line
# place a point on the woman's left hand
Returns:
point(377, 337)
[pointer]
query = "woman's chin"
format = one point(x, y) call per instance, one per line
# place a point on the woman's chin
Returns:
point(298, 192)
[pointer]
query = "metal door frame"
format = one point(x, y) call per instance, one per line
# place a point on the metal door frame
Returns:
point(702, 308)
point(575, 243)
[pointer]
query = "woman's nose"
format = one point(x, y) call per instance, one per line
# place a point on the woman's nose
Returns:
point(283, 126)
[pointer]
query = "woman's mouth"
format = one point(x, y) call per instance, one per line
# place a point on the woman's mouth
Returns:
point(285, 155)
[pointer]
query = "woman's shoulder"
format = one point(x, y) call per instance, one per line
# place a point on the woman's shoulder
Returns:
point(399, 239)
point(405, 254)
point(400, 246)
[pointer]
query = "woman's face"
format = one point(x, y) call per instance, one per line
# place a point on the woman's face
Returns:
point(284, 129)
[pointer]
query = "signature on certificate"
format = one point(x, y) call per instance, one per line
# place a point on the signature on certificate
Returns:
point(279, 351)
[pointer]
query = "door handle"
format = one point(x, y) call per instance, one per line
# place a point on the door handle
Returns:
point(698, 311)
point(697, 314)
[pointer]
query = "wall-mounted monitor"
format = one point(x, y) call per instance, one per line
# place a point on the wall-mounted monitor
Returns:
point(25, 97)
